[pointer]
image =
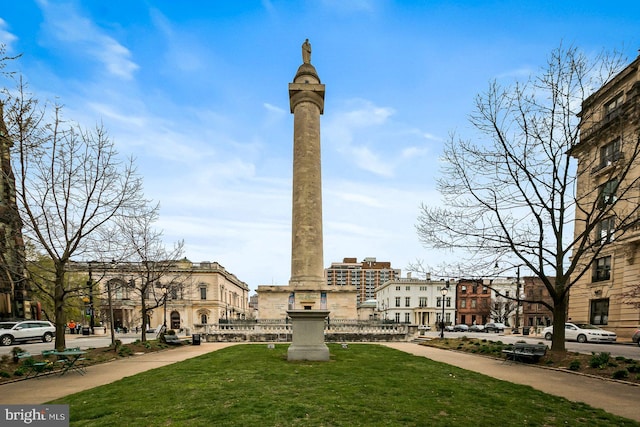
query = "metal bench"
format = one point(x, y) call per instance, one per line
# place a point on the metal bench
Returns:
point(172, 339)
point(525, 352)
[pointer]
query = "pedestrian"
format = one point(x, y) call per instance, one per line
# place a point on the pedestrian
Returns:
point(72, 327)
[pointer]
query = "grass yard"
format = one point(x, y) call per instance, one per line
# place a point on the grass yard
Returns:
point(364, 385)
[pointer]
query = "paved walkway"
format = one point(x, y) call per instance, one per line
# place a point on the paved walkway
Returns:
point(614, 397)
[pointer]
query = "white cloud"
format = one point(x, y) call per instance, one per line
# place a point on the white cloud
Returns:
point(6, 37)
point(66, 26)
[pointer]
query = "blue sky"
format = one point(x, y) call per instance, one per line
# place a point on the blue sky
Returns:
point(196, 91)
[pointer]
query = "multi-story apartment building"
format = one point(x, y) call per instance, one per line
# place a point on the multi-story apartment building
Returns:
point(504, 300)
point(190, 294)
point(535, 313)
point(473, 300)
point(607, 184)
point(366, 276)
point(416, 301)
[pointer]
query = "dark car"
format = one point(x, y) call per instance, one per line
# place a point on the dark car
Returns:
point(636, 337)
point(476, 328)
point(460, 328)
point(494, 327)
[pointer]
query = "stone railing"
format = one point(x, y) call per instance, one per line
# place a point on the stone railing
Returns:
point(263, 331)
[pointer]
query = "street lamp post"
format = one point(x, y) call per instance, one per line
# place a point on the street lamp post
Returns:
point(517, 329)
point(92, 321)
point(443, 291)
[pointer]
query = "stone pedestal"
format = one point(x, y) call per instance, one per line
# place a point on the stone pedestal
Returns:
point(307, 328)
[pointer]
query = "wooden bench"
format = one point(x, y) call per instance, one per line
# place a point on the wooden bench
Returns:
point(172, 339)
point(525, 352)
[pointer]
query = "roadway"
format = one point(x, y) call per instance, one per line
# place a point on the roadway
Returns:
point(73, 340)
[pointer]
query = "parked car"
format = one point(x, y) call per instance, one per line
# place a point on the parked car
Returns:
point(449, 328)
point(494, 327)
point(636, 337)
point(476, 328)
point(27, 330)
point(424, 328)
point(582, 332)
point(460, 328)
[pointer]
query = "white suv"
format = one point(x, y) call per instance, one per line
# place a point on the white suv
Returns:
point(27, 330)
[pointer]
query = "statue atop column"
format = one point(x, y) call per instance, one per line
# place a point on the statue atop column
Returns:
point(306, 52)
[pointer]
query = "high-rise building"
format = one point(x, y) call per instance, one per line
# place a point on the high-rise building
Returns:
point(14, 290)
point(366, 276)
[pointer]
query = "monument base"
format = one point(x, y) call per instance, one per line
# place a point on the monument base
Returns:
point(307, 335)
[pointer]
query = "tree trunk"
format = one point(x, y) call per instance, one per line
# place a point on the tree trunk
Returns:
point(559, 318)
point(58, 306)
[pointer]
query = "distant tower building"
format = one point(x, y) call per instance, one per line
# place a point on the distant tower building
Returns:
point(14, 291)
point(366, 276)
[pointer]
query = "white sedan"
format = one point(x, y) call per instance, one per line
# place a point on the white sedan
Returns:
point(582, 333)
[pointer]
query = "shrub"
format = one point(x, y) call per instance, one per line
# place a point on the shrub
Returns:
point(19, 372)
point(620, 374)
point(574, 365)
point(620, 358)
point(599, 360)
point(4, 374)
point(634, 369)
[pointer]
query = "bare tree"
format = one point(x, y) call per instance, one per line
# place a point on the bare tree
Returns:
point(510, 199)
point(70, 183)
point(155, 273)
point(501, 309)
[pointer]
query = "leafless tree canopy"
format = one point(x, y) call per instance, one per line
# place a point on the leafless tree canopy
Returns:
point(509, 196)
point(70, 184)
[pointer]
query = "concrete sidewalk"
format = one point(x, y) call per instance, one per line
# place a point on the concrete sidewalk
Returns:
point(615, 397)
point(46, 388)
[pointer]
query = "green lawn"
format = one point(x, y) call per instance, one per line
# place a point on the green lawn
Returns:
point(364, 385)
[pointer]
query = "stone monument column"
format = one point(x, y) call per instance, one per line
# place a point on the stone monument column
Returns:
point(306, 97)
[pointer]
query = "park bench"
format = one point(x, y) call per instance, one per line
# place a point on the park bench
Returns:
point(172, 339)
point(525, 352)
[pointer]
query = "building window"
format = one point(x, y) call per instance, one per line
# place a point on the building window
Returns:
point(610, 108)
point(397, 317)
point(423, 301)
point(605, 231)
point(397, 288)
point(407, 301)
point(397, 301)
point(439, 302)
point(475, 289)
point(463, 318)
point(203, 319)
point(609, 153)
point(203, 293)
point(485, 290)
point(407, 288)
point(463, 303)
point(607, 193)
point(407, 318)
point(448, 299)
point(463, 290)
point(473, 303)
point(602, 269)
point(599, 311)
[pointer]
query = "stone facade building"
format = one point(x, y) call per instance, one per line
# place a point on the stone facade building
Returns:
point(15, 299)
point(196, 294)
point(608, 188)
point(416, 301)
